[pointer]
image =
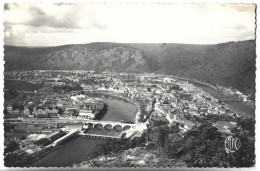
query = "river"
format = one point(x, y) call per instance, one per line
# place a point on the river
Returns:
point(238, 107)
point(78, 148)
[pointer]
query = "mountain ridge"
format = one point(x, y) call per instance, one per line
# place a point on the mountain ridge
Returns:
point(229, 64)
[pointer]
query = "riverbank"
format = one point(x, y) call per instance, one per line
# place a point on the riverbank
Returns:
point(67, 154)
point(118, 96)
point(79, 148)
point(242, 108)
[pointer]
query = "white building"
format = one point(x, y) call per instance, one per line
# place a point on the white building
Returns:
point(86, 114)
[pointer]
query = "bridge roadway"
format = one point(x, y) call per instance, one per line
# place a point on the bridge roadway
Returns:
point(230, 100)
point(98, 136)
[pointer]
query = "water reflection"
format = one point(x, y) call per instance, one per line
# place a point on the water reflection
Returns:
point(238, 107)
point(71, 152)
point(78, 148)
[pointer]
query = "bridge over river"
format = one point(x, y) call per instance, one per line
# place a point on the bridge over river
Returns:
point(98, 136)
point(88, 124)
point(107, 124)
point(230, 100)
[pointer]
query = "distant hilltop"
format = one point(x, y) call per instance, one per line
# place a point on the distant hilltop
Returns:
point(228, 64)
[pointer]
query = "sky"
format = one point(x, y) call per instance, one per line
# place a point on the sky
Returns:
point(37, 24)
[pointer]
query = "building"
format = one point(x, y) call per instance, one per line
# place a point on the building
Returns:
point(16, 111)
point(183, 123)
point(9, 109)
point(72, 111)
point(224, 126)
point(41, 111)
point(213, 111)
point(86, 114)
point(71, 127)
point(193, 112)
point(52, 111)
point(26, 111)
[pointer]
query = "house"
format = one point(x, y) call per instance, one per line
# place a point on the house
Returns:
point(52, 111)
point(55, 111)
point(193, 112)
point(224, 126)
point(213, 111)
point(149, 108)
point(25, 111)
point(71, 110)
point(9, 109)
point(48, 111)
point(16, 111)
point(166, 105)
point(183, 123)
point(34, 110)
point(222, 111)
point(86, 114)
point(41, 111)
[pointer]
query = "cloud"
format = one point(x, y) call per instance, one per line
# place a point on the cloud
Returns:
point(36, 11)
point(6, 7)
point(52, 15)
point(242, 7)
point(56, 24)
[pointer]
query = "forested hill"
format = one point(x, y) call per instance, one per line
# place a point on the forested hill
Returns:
point(228, 64)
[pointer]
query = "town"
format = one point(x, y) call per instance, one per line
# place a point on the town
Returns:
point(41, 107)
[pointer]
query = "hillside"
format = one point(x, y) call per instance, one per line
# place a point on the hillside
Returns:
point(228, 64)
point(77, 57)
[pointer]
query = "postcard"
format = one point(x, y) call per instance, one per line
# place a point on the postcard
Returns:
point(129, 85)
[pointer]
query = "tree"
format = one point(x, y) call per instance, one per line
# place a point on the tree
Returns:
point(11, 93)
point(162, 137)
point(11, 147)
point(5, 111)
point(204, 147)
point(60, 110)
point(247, 125)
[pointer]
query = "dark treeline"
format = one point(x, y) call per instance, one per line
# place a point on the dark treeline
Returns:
point(228, 64)
point(201, 147)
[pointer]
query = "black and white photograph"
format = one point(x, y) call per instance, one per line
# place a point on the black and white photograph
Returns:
point(129, 85)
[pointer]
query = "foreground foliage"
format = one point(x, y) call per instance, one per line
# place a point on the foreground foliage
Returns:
point(200, 147)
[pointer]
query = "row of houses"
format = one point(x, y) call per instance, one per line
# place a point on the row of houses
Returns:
point(26, 111)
